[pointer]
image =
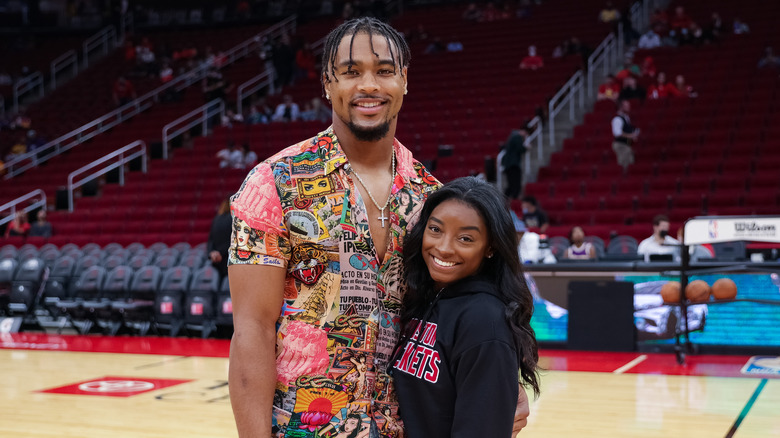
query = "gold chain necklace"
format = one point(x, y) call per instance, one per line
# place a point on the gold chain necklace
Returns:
point(381, 209)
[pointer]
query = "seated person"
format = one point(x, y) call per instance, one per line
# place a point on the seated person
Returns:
point(41, 227)
point(287, 111)
point(579, 248)
point(532, 61)
point(533, 216)
point(660, 242)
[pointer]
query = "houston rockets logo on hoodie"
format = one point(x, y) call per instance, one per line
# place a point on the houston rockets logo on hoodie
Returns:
point(419, 359)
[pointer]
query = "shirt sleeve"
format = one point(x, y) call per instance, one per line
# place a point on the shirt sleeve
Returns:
point(617, 127)
point(259, 235)
point(486, 383)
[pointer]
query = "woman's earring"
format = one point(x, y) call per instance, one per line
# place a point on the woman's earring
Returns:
point(406, 91)
point(327, 96)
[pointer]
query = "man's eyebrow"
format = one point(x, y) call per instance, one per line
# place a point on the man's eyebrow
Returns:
point(349, 63)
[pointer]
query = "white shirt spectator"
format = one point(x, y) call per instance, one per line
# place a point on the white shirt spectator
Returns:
point(650, 246)
point(250, 160)
point(455, 46)
point(650, 40)
point(232, 159)
point(279, 114)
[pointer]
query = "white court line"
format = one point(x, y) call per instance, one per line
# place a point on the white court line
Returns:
point(630, 365)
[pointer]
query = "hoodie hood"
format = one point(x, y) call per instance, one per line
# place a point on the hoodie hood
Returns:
point(476, 284)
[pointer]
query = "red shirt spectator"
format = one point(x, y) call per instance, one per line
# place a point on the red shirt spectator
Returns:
point(662, 89)
point(680, 20)
point(532, 61)
point(609, 90)
point(123, 91)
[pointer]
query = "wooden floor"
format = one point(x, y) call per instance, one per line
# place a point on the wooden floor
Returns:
point(93, 393)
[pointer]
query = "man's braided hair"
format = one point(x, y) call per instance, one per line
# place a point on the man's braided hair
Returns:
point(399, 50)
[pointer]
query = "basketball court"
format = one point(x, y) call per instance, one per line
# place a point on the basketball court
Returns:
point(92, 386)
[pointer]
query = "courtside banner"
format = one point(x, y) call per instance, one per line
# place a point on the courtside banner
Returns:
point(728, 229)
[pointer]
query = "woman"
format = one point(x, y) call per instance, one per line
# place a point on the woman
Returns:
point(18, 226)
point(466, 317)
point(579, 248)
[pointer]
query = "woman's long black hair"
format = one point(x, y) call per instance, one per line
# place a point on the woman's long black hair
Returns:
point(504, 267)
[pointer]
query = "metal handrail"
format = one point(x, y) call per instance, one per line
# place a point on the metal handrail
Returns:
point(120, 163)
point(536, 122)
point(567, 94)
point(604, 53)
point(105, 39)
point(60, 63)
point(12, 204)
point(77, 136)
point(200, 116)
point(28, 83)
point(248, 88)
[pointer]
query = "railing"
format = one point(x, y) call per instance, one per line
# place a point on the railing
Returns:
point(67, 59)
point(200, 116)
point(126, 25)
point(536, 122)
point(63, 143)
point(105, 40)
point(605, 56)
point(286, 26)
point(12, 204)
point(567, 94)
point(25, 85)
point(123, 156)
point(250, 87)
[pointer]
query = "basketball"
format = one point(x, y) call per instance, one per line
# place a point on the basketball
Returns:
point(724, 289)
point(698, 291)
point(670, 292)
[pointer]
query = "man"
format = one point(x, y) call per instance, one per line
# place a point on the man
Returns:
point(317, 234)
point(287, 111)
point(624, 134)
point(650, 40)
point(660, 242)
point(533, 216)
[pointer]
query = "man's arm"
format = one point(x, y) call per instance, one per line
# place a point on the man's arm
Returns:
point(258, 294)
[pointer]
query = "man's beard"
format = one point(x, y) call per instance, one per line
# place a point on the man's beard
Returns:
point(375, 133)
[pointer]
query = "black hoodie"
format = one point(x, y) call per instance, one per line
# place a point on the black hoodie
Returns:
point(458, 375)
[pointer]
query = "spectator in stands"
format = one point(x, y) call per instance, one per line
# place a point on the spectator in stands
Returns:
point(260, 112)
point(436, 46)
point(651, 39)
point(123, 92)
point(662, 89)
point(610, 14)
point(490, 13)
point(680, 21)
point(740, 27)
point(19, 148)
point(769, 59)
point(512, 162)
point(472, 13)
point(41, 227)
point(625, 134)
point(166, 73)
point(631, 90)
point(230, 118)
point(660, 20)
point(249, 158)
point(529, 244)
point(287, 111)
point(231, 157)
point(284, 61)
point(533, 215)
point(579, 248)
point(630, 34)
point(219, 238)
point(532, 61)
point(266, 55)
point(715, 28)
point(18, 226)
point(454, 45)
point(683, 89)
point(316, 110)
point(609, 89)
point(305, 63)
point(660, 242)
point(648, 68)
point(214, 85)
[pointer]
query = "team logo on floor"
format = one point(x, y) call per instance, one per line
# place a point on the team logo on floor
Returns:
point(762, 365)
point(112, 386)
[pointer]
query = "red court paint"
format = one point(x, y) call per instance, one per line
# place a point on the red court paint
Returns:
point(113, 386)
point(117, 344)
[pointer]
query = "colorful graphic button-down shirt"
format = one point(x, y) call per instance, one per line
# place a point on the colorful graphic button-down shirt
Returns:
point(300, 210)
